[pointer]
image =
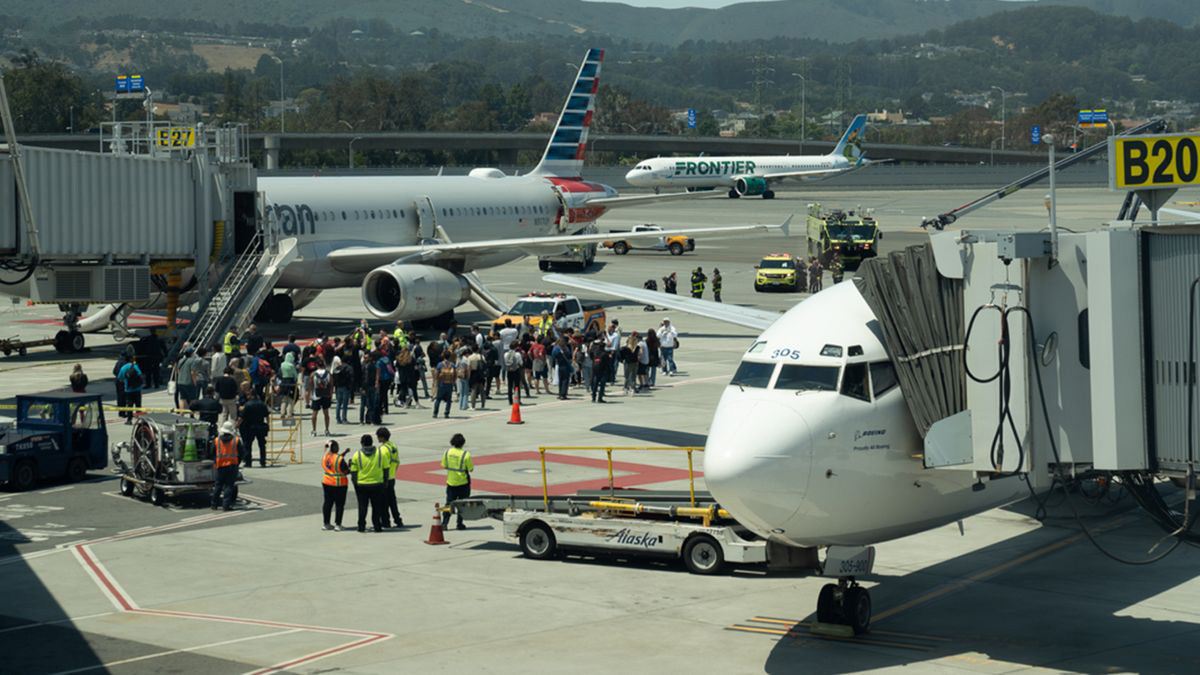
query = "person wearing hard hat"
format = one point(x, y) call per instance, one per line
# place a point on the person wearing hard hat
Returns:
point(457, 463)
point(370, 468)
point(228, 450)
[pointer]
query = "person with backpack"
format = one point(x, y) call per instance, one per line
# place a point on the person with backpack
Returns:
point(387, 377)
point(513, 365)
point(462, 372)
point(320, 383)
point(370, 389)
point(537, 352)
point(444, 378)
point(288, 384)
point(477, 377)
point(601, 366)
point(132, 381)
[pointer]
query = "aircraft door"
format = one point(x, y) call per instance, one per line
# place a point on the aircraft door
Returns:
point(426, 217)
point(564, 211)
point(245, 220)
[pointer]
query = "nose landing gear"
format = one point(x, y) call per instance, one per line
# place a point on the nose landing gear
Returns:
point(845, 604)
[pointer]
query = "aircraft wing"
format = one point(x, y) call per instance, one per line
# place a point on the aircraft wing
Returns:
point(739, 316)
point(811, 173)
point(637, 200)
point(1187, 216)
point(362, 259)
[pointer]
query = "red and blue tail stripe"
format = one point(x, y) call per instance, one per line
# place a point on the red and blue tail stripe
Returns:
point(565, 153)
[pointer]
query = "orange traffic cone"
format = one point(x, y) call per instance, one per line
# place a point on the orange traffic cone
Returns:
point(515, 418)
point(435, 532)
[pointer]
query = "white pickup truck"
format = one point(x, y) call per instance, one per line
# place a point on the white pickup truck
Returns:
point(676, 244)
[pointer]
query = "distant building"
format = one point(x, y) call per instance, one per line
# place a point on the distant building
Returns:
point(544, 118)
point(886, 117)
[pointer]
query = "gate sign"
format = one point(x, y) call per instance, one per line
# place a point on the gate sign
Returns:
point(691, 118)
point(136, 83)
point(1164, 161)
point(122, 84)
point(1093, 118)
point(1035, 135)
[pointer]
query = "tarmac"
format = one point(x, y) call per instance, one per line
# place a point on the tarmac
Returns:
point(96, 582)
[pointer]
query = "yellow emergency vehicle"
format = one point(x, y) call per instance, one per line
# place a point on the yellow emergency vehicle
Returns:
point(778, 272)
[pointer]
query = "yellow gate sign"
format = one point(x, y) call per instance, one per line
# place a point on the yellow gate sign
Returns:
point(1154, 162)
point(175, 138)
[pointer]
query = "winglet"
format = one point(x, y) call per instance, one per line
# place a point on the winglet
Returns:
point(787, 226)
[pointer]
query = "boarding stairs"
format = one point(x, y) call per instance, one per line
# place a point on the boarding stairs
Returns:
point(247, 283)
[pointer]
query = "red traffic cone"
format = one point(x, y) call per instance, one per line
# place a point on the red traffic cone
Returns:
point(515, 418)
point(435, 532)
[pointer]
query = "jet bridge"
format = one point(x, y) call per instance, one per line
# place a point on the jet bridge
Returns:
point(1054, 357)
point(158, 217)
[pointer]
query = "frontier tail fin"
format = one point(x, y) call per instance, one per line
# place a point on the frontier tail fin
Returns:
point(850, 146)
point(565, 153)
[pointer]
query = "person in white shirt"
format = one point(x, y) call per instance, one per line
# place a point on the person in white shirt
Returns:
point(508, 335)
point(613, 347)
point(668, 339)
point(218, 362)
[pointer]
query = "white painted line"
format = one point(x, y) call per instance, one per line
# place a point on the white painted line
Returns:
point(70, 619)
point(87, 563)
point(57, 489)
point(157, 655)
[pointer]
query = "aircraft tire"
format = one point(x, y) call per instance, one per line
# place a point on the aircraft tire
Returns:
point(856, 609)
point(733, 194)
point(544, 265)
point(769, 194)
point(827, 605)
point(75, 341)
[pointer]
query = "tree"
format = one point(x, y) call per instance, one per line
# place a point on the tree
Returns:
point(45, 97)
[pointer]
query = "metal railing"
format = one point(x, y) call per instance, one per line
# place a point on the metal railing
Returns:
point(228, 143)
point(608, 451)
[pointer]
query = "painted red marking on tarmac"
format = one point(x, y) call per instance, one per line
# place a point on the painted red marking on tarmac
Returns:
point(640, 474)
point(84, 553)
point(321, 654)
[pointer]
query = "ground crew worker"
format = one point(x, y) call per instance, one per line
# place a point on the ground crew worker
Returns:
point(716, 284)
point(837, 269)
point(543, 327)
point(399, 337)
point(334, 484)
point(231, 340)
point(389, 484)
point(369, 467)
point(698, 280)
point(457, 463)
point(228, 450)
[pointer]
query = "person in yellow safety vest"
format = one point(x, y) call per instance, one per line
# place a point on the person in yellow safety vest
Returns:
point(698, 280)
point(334, 482)
point(399, 337)
point(384, 437)
point(457, 463)
point(228, 451)
point(231, 340)
point(369, 467)
point(544, 325)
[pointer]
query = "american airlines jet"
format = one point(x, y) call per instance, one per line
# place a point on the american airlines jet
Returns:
point(412, 243)
point(751, 175)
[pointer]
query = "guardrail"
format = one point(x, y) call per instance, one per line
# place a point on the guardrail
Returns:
point(608, 451)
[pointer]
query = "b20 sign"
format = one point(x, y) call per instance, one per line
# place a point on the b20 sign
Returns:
point(1153, 162)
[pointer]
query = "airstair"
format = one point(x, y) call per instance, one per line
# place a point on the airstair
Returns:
point(249, 280)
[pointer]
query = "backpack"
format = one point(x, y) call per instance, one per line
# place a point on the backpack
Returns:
point(342, 376)
point(133, 377)
point(321, 384)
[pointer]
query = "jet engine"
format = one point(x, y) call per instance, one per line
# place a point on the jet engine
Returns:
point(750, 186)
point(412, 292)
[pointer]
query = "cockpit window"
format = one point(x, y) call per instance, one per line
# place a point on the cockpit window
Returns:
point(883, 377)
point(757, 347)
point(807, 378)
point(854, 382)
point(750, 374)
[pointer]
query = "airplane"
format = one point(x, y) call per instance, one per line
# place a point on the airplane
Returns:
point(414, 243)
point(747, 176)
point(813, 434)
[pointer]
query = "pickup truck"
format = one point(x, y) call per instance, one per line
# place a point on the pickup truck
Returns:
point(674, 243)
point(528, 310)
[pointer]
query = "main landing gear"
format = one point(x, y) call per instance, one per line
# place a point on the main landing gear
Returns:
point(845, 603)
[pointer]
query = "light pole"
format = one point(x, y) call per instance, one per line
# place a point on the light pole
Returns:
point(282, 105)
point(803, 109)
point(350, 149)
point(992, 152)
point(71, 117)
point(1003, 114)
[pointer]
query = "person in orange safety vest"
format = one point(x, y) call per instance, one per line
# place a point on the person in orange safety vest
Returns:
point(334, 482)
point(228, 450)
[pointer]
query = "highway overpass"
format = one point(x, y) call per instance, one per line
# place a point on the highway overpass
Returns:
point(506, 146)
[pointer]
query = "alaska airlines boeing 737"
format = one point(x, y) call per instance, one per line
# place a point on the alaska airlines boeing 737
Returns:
point(754, 174)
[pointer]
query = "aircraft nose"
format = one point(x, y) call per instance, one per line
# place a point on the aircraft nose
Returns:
point(757, 461)
point(633, 176)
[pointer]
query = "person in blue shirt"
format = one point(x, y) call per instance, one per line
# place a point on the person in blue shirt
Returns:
point(132, 381)
point(561, 356)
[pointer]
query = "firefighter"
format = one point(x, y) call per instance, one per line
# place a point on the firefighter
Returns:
point(698, 280)
point(837, 269)
point(716, 279)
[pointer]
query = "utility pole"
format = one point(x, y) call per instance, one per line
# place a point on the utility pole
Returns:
point(1003, 114)
point(761, 71)
point(803, 110)
point(282, 105)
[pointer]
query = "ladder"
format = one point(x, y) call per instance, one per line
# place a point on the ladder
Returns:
point(250, 279)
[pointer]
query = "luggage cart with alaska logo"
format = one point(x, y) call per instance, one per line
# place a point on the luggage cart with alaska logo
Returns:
point(623, 523)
